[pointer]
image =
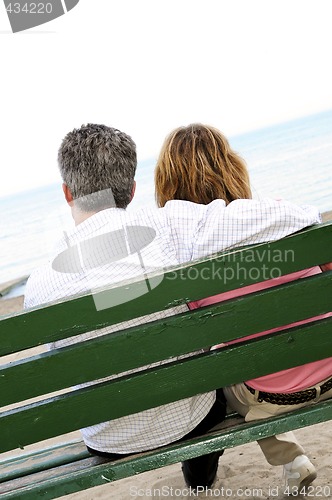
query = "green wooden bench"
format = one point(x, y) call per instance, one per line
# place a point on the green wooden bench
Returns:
point(68, 467)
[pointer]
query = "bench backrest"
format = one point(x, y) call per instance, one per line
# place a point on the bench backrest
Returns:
point(131, 348)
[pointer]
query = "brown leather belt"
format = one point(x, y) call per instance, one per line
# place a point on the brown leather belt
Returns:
point(292, 398)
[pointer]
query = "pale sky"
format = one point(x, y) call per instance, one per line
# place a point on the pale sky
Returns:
point(148, 66)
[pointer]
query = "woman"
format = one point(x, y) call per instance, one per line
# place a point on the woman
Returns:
point(197, 164)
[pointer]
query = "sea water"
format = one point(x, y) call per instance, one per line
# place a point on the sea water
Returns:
point(292, 160)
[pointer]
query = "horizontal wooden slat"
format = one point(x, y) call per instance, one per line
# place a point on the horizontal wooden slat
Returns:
point(165, 338)
point(54, 456)
point(165, 384)
point(67, 481)
point(79, 315)
point(37, 461)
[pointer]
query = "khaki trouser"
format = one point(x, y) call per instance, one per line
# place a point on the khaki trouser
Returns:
point(279, 449)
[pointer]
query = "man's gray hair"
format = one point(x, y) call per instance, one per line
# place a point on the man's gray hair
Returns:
point(97, 162)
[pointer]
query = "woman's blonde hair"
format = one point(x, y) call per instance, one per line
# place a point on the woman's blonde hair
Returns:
point(196, 163)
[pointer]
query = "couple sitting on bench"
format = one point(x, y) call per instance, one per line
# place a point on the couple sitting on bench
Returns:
point(205, 206)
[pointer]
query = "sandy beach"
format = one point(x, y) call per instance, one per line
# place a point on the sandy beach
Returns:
point(243, 471)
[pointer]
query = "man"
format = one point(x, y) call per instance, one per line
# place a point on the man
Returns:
point(98, 165)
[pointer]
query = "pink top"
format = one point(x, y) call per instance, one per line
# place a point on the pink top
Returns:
point(292, 379)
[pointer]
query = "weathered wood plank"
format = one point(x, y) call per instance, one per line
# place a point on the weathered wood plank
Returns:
point(44, 459)
point(80, 315)
point(68, 480)
point(37, 461)
point(164, 384)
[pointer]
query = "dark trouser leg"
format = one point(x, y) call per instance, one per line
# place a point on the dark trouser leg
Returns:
point(201, 471)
